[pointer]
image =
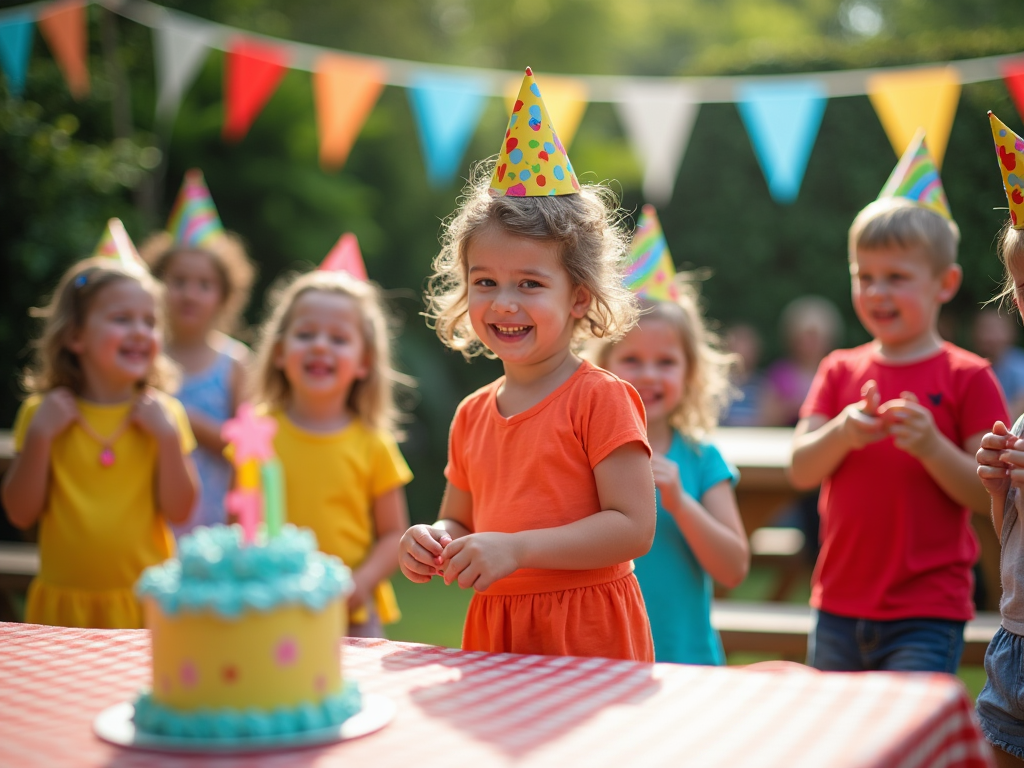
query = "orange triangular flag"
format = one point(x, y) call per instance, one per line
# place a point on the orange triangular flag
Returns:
point(345, 257)
point(345, 90)
point(63, 25)
point(251, 75)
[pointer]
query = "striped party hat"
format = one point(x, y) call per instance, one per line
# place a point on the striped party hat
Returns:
point(532, 161)
point(1010, 149)
point(650, 273)
point(916, 178)
point(115, 244)
point(194, 221)
point(345, 256)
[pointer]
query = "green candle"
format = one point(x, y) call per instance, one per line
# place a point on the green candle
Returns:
point(273, 496)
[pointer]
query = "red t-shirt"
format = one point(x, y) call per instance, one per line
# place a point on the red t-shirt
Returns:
point(894, 545)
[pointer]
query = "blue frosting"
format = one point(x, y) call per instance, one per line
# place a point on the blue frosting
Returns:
point(239, 724)
point(216, 572)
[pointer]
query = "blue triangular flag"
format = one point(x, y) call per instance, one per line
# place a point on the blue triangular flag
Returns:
point(15, 47)
point(447, 110)
point(782, 120)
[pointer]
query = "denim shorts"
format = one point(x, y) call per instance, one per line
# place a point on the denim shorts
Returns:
point(1001, 701)
point(844, 644)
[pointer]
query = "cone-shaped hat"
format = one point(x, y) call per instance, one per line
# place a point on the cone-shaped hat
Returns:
point(345, 256)
point(194, 221)
point(916, 178)
point(1010, 150)
point(650, 273)
point(115, 244)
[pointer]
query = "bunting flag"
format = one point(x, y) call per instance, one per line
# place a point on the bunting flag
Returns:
point(650, 273)
point(180, 48)
point(1013, 76)
point(447, 109)
point(251, 75)
point(345, 256)
point(15, 47)
point(782, 120)
point(1010, 151)
point(922, 98)
point(115, 244)
point(194, 221)
point(63, 25)
point(658, 119)
point(566, 99)
point(916, 178)
point(345, 90)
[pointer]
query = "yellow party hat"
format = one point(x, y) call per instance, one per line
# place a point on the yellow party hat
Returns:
point(115, 244)
point(532, 161)
point(1010, 149)
point(650, 273)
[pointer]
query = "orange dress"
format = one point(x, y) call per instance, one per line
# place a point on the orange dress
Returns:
point(536, 470)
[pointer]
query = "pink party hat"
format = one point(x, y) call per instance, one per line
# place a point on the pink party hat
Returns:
point(650, 273)
point(115, 244)
point(194, 221)
point(1010, 150)
point(916, 178)
point(345, 257)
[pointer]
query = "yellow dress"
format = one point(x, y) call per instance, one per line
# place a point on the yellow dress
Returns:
point(100, 527)
point(331, 481)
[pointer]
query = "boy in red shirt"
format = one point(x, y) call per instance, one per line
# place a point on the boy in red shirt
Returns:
point(890, 430)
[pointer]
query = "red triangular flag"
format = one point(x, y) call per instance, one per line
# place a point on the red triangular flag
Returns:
point(1013, 75)
point(251, 75)
point(345, 257)
point(63, 26)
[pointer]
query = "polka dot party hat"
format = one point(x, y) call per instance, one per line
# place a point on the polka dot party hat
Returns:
point(194, 221)
point(916, 178)
point(115, 244)
point(1010, 149)
point(650, 273)
point(532, 161)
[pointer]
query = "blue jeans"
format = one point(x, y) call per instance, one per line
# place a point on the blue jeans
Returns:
point(841, 644)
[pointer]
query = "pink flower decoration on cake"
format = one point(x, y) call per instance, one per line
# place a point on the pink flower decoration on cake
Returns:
point(252, 436)
point(320, 683)
point(286, 652)
point(189, 674)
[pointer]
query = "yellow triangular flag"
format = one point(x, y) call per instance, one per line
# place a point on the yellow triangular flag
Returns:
point(920, 98)
point(565, 99)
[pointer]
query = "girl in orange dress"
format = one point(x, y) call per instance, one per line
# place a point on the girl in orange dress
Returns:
point(550, 493)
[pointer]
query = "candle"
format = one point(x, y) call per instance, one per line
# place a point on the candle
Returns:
point(246, 504)
point(273, 496)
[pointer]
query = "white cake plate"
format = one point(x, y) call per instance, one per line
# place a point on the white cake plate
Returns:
point(115, 725)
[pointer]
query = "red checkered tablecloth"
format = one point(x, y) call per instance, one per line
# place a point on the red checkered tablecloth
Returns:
point(476, 709)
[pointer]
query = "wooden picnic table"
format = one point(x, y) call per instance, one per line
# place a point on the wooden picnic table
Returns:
point(462, 708)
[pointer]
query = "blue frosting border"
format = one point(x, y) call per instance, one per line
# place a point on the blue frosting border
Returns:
point(237, 725)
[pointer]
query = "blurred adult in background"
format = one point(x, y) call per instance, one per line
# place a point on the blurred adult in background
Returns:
point(995, 337)
point(743, 340)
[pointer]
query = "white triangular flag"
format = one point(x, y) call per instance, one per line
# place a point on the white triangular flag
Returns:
point(180, 47)
point(658, 118)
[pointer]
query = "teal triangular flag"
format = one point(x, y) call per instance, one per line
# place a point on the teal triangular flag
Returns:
point(15, 47)
point(447, 110)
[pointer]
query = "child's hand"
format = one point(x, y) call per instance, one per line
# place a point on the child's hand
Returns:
point(479, 559)
point(420, 551)
point(56, 413)
point(360, 593)
point(861, 422)
point(910, 424)
point(149, 416)
point(1013, 456)
point(991, 469)
point(666, 477)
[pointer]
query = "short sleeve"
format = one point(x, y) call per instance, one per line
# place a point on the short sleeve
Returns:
point(821, 397)
point(981, 404)
point(455, 471)
point(23, 419)
point(614, 416)
point(714, 469)
point(389, 469)
point(179, 418)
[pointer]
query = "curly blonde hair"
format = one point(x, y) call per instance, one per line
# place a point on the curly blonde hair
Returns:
point(372, 398)
point(587, 227)
point(1011, 253)
point(53, 363)
point(230, 261)
point(707, 390)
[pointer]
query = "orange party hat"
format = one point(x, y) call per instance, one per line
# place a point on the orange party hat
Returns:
point(115, 244)
point(532, 161)
point(916, 178)
point(345, 256)
point(1010, 149)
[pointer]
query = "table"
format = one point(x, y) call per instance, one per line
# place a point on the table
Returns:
point(474, 709)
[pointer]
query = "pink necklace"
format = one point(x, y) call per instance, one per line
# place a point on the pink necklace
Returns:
point(107, 457)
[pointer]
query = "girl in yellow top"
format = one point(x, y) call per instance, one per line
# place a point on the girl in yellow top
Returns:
point(323, 371)
point(101, 453)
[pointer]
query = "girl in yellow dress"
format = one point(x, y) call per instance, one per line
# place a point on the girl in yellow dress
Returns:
point(323, 372)
point(102, 454)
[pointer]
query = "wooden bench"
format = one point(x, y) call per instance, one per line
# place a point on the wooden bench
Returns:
point(781, 629)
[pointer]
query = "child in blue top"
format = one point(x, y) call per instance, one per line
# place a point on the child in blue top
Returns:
point(674, 363)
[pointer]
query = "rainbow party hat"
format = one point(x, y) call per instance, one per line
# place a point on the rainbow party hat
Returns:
point(115, 244)
point(1010, 149)
point(532, 161)
point(650, 273)
point(916, 178)
point(194, 221)
point(345, 257)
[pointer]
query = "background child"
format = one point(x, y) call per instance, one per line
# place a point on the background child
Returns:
point(324, 372)
point(675, 365)
point(101, 453)
point(207, 277)
point(890, 429)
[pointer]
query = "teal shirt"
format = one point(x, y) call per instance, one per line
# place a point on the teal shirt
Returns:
point(676, 589)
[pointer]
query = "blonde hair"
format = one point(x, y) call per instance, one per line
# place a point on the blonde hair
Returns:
point(707, 390)
point(899, 221)
point(371, 398)
point(53, 363)
point(1011, 253)
point(230, 261)
point(592, 246)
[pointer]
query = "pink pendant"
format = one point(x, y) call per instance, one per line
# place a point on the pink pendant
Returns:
point(107, 457)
